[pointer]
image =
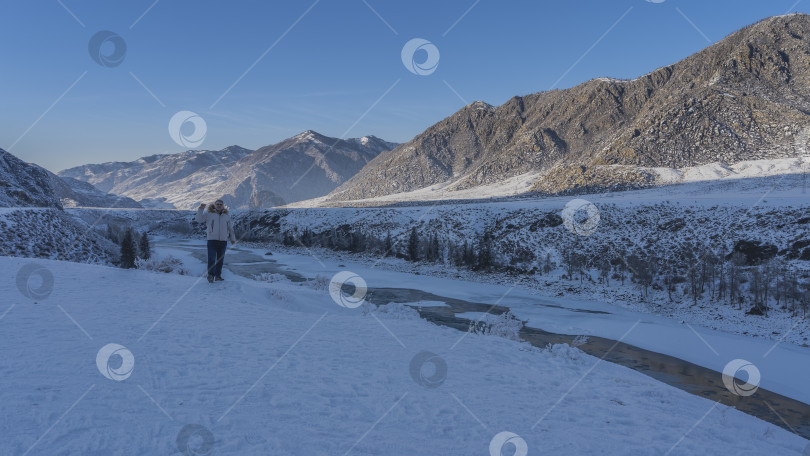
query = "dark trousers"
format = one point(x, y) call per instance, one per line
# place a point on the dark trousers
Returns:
point(216, 253)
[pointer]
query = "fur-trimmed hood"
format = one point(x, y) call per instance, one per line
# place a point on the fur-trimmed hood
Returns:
point(213, 209)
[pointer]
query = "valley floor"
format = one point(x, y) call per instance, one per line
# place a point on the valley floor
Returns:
point(280, 368)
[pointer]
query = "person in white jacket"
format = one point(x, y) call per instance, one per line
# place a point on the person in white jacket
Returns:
point(219, 230)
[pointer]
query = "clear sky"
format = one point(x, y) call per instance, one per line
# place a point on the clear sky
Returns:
point(261, 71)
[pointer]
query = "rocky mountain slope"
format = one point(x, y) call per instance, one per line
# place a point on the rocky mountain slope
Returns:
point(28, 185)
point(305, 166)
point(746, 97)
point(24, 184)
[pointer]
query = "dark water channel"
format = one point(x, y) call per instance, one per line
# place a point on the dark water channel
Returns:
point(676, 372)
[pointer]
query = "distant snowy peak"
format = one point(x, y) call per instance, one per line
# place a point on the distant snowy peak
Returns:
point(373, 143)
point(369, 142)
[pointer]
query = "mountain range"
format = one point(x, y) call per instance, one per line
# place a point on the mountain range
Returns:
point(742, 100)
point(746, 97)
point(308, 165)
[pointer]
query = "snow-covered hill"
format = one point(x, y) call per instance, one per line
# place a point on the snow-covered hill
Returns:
point(53, 234)
point(241, 367)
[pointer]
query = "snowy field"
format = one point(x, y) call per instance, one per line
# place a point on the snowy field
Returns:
point(776, 359)
point(247, 367)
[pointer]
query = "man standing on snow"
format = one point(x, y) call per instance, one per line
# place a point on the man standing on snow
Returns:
point(219, 230)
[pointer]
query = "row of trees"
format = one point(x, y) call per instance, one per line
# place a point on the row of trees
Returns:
point(697, 272)
point(132, 245)
point(477, 255)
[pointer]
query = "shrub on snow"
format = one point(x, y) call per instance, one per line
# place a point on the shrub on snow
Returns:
point(167, 264)
point(269, 277)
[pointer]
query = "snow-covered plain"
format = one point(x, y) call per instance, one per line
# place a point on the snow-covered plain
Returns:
point(280, 368)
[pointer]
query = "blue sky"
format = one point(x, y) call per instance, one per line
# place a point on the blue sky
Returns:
point(333, 66)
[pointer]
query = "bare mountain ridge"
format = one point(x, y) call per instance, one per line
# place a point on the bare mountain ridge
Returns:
point(746, 97)
point(305, 166)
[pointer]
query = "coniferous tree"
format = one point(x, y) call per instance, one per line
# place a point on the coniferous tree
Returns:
point(128, 250)
point(144, 247)
point(389, 245)
point(112, 234)
point(485, 256)
point(468, 257)
point(413, 245)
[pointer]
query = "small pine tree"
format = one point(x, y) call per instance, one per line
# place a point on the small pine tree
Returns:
point(485, 256)
point(144, 247)
point(413, 245)
point(469, 257)
point(389, 245)
point(128, 250)
point(112, 235)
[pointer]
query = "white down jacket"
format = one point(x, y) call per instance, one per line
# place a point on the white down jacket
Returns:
point(218, 227)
